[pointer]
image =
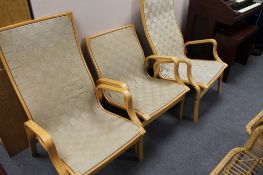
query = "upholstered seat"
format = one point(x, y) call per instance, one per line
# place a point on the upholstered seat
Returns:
point(47, 69)
point(118, 55)
point(165, 39)
point(149, 95)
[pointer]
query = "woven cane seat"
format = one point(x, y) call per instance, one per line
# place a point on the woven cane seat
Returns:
point(56, 86)
point(118, 55)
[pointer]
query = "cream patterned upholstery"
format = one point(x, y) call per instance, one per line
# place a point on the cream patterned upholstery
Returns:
point(46, 65)
point(167, 40)
point(119, 56)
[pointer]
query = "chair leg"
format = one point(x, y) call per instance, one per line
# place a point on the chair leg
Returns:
point(220, 81)
point(181, 115)
point(139, 149)
point(196, 109)
point(32, 142)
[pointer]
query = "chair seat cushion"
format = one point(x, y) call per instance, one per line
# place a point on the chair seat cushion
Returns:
point(203, 71)
point(150, 95)
point(86, 142)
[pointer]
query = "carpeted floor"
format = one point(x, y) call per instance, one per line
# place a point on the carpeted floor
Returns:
point(181, 148)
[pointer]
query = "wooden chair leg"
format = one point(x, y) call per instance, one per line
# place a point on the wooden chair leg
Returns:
point(196, 109)
point(32, 142)
point(220, 81)
point(181, 115)
point(139, 149)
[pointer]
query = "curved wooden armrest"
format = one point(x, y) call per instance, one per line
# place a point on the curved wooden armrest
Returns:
point(255, 122)
point(204, 41)
point(163, 60)
point(127, 98)
point(111, 82)
point(253, 138)
point(34, 130)
point(176, 61)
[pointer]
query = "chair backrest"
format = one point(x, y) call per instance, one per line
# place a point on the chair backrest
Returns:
point(161, 29)
point(47, 69)
point(117, 54)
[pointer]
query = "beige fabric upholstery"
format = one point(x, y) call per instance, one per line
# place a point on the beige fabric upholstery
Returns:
point(167, 39)
point(119, 56)
point(203, 71)
point(46, 64)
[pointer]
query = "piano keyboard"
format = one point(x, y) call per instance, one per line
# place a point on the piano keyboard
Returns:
point(243, 10)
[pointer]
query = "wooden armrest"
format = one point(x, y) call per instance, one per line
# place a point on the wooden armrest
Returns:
point(162, 60)
point(127, 98)
point(111, 82)
point(176, 61)
point(253, 138)
point(212, 41)
point(255, 122)
point(34, 130)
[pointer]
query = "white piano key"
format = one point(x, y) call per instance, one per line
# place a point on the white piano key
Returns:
point(249, 7)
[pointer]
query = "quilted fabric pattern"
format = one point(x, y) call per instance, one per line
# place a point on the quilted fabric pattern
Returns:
point(203, 71)
point(168, 40)
point(47, 67)
point(119, 56)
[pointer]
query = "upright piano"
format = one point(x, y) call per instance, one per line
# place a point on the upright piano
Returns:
point(225, 21)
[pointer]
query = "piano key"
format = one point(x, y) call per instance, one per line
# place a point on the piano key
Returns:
point(249, 7)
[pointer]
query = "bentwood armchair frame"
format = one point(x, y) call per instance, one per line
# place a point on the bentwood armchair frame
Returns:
point(147, 118)
point(200, 88)
point(36, 133)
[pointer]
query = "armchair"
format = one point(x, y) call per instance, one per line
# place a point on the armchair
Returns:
point(118, 55)
point(44, 62)
point(165, 38)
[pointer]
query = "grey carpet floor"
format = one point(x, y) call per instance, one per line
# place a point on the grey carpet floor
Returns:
point(180, 147)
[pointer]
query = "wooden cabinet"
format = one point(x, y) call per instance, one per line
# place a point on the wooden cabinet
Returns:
point(12, 115)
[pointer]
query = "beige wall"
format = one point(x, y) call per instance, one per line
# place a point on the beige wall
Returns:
point(93, 16)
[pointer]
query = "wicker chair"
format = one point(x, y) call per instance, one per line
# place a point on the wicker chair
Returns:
point(245, 160)
point(165, 38)
point(45, 65)
point(255, 122)
point(239, 161)
point(118, 55)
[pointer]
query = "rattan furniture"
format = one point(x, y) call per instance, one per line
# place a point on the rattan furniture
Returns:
point(165, 38)
point(245, 160)
point(255, 122)
point(45, 65)
point(118, 55)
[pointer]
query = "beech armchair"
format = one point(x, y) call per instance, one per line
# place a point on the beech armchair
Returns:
point(165, 38)
point(44, 62)
point(118, 55)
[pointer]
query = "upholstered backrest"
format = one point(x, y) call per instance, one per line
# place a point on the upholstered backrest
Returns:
point(161, 28)
point(44, 60)
point(118, 54)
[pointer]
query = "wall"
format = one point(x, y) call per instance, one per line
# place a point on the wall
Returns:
point(93, 16)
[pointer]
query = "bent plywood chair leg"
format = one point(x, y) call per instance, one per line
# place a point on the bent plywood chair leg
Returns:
point(32, 141)
point(196, 108)
point(220, 81)
point(181, 115)
point(139, 149)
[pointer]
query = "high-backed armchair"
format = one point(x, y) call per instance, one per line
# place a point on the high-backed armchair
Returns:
point(118, 55)
point(45, 65)
point(165, 38)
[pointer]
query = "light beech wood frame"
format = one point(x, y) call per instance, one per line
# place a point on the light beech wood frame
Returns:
point(147, 118)
point(200, 89)
point(36, 133)
point(255, 122)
